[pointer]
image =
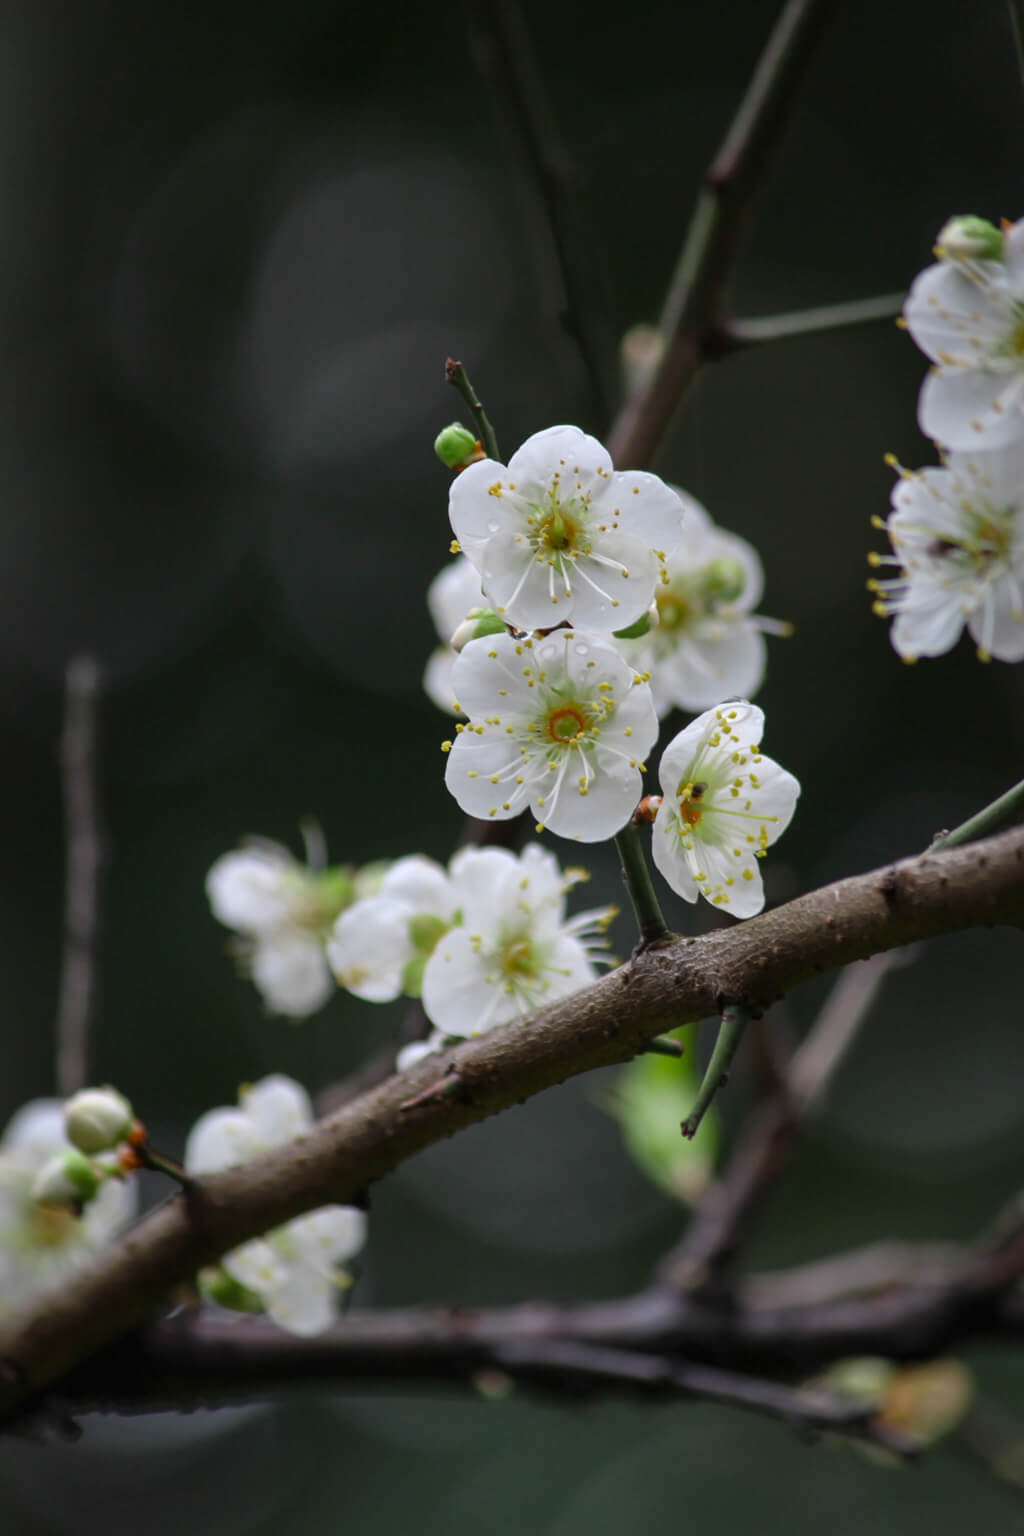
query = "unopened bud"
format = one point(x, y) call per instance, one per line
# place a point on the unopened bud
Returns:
point(968, 238)
point(477, 623)
point(725, 580)
point(647, 621)
point(217, 1285)
point(454, 445)
point(66, 1179)
point(96, 1119)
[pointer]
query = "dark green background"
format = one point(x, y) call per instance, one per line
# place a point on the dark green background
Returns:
point(239, 240)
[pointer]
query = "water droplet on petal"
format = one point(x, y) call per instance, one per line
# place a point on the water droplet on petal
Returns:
point(581, 650)
point(493, 527)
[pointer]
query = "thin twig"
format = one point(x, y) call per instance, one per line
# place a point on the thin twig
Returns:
point(456, 375)
point(1016, 9)
point(508, 64)
point(640, 886)
point(728, 1204)
point(79, 774)
point(1000, 813)
point(735, 335)
point(694, 311)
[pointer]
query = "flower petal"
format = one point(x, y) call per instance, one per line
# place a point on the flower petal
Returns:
point(278, 1108)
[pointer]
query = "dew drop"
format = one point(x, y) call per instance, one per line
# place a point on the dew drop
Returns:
point(581, 650)
point(493, 527)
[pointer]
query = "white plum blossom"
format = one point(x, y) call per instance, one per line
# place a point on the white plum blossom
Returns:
point(515, 949)
point(295, 1270)
point(283, 911)
point(41, 1244)
point(454, 592)
point(957, 534)
point(967, 315)
point(723, 804)
point(707, 644)
point(562, 536)
point(377, 944)
point(560, 723)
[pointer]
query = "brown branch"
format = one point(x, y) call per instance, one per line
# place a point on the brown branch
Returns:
point(77, 992)
point(725, 1210)
point(755, 961)
point(904, 1302)
point(694, 312)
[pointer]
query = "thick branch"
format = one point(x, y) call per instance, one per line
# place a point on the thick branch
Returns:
point(754, 962)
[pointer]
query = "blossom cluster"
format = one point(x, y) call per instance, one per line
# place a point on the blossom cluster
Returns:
point(957, 531)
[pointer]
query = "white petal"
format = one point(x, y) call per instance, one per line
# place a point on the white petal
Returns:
point(475, 762)
point(461, 995)
point(971, 411)
point(931, 622)
point(590, 813)
point(956, 319)
point(35, 1132)
point(613, 586)
point(525, 589)
point(370, 947)
point(422, 884)
point(222, 1138)
point(251, 890)
point(256, 1265)
point(686, 751)
point(668, 854)
point(437, 679)
point(473, 511)
point(328, 1236)
point(412, 1054)
point(580, 461)
point(722, 659)
point(481, 878)
point(291, 972)
point(490, 677)
point(650, 511)
point(452, 593)
point(304, 1303)
point(278, 1108)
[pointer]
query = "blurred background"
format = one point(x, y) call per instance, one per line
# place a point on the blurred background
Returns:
point(239, 240)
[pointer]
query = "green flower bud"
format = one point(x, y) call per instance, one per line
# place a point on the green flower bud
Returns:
point(477, 623)
point(454, 445)
point(218, 1286)
point(335, 891)
point(97, 1119)
point(968, 238)
point(67, 1179)
point(425, 930)
point(725, 580)
point(412, 975)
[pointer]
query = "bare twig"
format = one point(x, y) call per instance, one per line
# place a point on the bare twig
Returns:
point(602, 1025)
point(506, 60)
point(77, 994)
point(727, 1205)
point(694, 314)
point(735, 335)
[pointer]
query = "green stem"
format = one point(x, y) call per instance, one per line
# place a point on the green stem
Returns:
point(457, 376)
point(735, 1019)
point(1001, 813)
point(641, 889)
point(150, 1158)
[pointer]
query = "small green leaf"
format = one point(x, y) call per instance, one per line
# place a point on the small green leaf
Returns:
point(651, 1096)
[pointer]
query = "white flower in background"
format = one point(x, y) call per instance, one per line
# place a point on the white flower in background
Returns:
point(515, 949)
point(379, 946)
point(560, 535)
point(41, 1244)
point(295, 1269)
point(412, 1054)
point(707, 645)
point(560, 723)
point(958, 536)
point(453, 593)
point(723, 804)
point(283, 910)
point(967, 314)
